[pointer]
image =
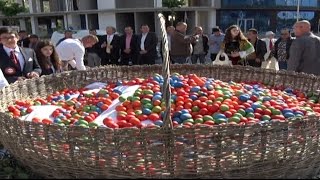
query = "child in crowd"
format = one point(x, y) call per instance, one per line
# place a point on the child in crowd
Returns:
point(48, 58)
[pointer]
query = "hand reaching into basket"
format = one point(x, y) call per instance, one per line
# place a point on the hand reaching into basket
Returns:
point(32, 74)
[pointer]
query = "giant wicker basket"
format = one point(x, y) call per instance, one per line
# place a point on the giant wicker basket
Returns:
point(274, 150)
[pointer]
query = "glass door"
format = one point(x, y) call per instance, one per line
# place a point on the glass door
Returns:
point(245, 24)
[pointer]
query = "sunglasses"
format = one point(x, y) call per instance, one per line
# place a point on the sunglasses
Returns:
point(282, 34)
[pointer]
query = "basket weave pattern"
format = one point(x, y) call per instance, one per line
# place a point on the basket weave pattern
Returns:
point(276, 150)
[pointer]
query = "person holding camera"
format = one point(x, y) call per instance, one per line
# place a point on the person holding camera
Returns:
point(181, 47)
point(200, 46)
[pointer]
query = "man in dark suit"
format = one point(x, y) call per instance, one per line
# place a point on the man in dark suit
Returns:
point(110, 47)
point(128, 47)
point(92, 55)
point(255, 59)
point(17, 63)
point(147, 46)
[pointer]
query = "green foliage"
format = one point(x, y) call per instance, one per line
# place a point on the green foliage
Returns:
point(171, 4)
point(10, 9)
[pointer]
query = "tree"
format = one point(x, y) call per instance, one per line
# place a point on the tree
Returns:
point(11, 9)
point(173, 5)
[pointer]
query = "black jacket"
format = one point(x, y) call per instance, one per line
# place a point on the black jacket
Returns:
point(288, 45)
point(205, 41)
point(260, 48)
point(150, 44)
point(11, 73)
point(115, 51)
point(133, 45)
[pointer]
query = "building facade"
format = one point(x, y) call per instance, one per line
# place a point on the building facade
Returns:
point(266, 15)
point(46, 16)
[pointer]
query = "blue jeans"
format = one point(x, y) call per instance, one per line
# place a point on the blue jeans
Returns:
point(283, 65)
point(194, 58)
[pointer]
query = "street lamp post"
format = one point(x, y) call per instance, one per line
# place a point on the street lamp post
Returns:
point(298, 10)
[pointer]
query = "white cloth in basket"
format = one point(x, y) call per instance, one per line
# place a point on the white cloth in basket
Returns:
point(219, 62)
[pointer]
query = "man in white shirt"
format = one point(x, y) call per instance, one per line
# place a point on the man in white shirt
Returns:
point(147, 46)
point(71, 51)
point(270, 41)
point(17, 63)
point(110, 47)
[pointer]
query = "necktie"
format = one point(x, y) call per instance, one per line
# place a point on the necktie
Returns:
point(15, 60)
point(270, 45)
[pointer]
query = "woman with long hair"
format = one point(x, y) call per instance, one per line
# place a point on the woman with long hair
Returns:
point(48, 58)
point(236, 45)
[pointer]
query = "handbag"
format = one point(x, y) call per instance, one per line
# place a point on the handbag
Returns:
point(271, 63)
point(225, 62)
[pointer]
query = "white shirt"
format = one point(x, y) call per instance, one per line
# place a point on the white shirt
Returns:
point(3, 80)
point(143, 39)
point(18, 53)
point(110, 38)
point(169, 41)
point(72, 49)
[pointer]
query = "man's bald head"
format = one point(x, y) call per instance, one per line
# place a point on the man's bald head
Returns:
point(302, 27)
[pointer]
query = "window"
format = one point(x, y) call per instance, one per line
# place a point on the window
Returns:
point(286, 19)
point(303, 3)
point(247, 3)
point(245, 19)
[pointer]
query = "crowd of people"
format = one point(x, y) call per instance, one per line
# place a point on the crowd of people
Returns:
point(26, 56)
point(298, 53)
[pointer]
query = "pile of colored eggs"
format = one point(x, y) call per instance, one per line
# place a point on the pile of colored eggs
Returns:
point(195, 100)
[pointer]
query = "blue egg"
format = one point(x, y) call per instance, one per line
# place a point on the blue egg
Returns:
point(174, 77)
point(184, 111)
point(249, 110)
point(256, 86)
point(178, 120)
point(287, 110)
point(158, 93)
point(57, 120)
point(256, 94)
point(98, 110)
point(177, 114)
point(244, 97)
point(67, 97)
point(99, 104)
point(266, 98)
point(159, 123)
point(195, 89)
point(156, 97)
point(209, 87)
point(299, 113)
point(146, 111)
point(193, 97)
point(289, 115)
point(255, 105)
point(185, 116)
point(178, 84)
point(288, 90)
point(156, 78)
point(219, 116)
